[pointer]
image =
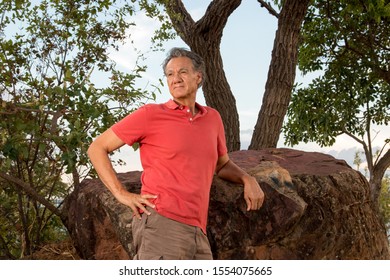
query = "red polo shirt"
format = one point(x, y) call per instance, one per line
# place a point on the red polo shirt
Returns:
point(178, 153)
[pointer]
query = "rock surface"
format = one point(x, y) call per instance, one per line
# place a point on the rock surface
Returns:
point(316, 207)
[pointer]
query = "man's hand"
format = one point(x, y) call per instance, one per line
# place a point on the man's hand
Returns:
point(253, 194)
point(136, 201)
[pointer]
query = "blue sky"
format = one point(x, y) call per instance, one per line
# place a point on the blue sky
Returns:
point(246, 48)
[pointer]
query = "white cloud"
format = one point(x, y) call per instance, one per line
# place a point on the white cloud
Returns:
point(139, 41)
point(130, 157)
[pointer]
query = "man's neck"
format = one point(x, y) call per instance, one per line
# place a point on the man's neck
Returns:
point(190, 104)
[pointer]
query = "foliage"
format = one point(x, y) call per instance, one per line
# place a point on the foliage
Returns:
point(156, 10)
point(344, 100)
point(50, 107)
point(384, 202)
point(384, 198)
point(348, 41)
point(347, 33)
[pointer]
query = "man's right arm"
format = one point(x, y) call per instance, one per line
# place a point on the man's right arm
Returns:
point(98, 153)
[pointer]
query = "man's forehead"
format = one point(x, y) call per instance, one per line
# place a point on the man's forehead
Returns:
point(179, 62)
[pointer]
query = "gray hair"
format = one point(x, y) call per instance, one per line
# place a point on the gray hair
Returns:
point(197, 61)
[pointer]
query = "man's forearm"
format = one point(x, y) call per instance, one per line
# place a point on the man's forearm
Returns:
point(233, 173)
point(103, 166)
point(253, 194)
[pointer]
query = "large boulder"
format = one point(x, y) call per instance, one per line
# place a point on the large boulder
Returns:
point(316, 207)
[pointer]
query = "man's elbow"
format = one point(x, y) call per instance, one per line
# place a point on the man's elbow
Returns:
point(221, 164)
point(94, 149)
point(90, 150)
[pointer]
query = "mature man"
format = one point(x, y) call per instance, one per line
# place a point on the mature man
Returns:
point(182, 145)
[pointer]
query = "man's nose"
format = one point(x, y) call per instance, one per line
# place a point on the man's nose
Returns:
point(177, 78)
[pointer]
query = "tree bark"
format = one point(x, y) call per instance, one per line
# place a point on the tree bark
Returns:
point(377, 174)
point(281, 75)
point(204, 38)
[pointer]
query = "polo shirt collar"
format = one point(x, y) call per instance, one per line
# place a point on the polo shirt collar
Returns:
point(174, 106)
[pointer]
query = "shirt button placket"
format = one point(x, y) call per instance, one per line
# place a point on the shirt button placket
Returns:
point(189, 112)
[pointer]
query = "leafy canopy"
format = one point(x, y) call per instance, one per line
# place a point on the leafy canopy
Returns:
point(50, 107)
point(348, 41)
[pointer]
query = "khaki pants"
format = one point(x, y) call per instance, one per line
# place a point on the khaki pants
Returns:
point(159, 238)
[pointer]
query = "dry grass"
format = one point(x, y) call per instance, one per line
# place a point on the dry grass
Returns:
point(63, 250)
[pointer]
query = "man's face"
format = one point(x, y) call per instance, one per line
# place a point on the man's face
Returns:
point(182, 78)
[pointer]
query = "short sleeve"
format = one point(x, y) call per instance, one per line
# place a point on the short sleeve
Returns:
point(221, 140)
point(131, 129)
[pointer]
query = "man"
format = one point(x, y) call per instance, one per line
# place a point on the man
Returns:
point(182, 145)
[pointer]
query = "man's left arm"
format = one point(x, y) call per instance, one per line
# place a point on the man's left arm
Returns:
point(228, 170)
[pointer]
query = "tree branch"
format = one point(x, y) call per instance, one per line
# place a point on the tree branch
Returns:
point(355, 138)
point(367, 150)
point(216, 16)
point(13, 109)
point(213, 22)
point(269, 8)
point(21, 185)
point(181, 20)
point(382, 164)
point(381, 151)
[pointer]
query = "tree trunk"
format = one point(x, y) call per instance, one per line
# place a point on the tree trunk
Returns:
point(218, 94)
point(24, 231)
point(204, 38)
point(281, 75)
point(376, 177)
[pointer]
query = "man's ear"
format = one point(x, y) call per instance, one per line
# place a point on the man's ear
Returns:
point(200, 79)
